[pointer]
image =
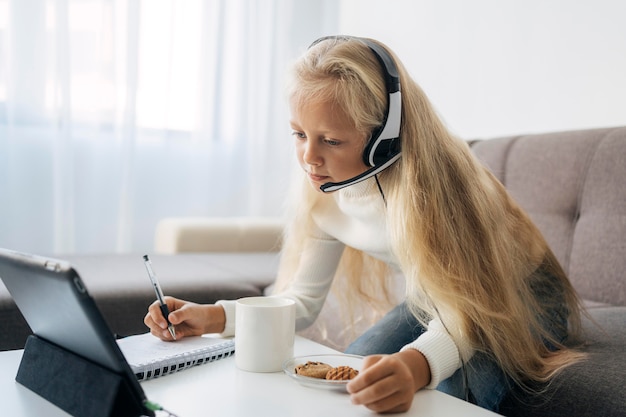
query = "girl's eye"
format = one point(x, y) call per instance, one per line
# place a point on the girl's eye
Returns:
point(332, 142)
point(299, 135)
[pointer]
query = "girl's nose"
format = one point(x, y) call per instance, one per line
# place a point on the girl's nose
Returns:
point(311, 154)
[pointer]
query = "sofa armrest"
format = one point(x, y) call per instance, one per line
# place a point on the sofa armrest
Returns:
point(218, 234)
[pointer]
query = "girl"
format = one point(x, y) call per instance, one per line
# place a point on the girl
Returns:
point(385, 187)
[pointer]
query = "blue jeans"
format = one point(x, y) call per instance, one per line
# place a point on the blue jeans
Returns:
point(480, 381)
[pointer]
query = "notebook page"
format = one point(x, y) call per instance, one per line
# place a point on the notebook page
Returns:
point(146, 352)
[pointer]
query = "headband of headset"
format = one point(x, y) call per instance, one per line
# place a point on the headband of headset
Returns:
point(383, 147)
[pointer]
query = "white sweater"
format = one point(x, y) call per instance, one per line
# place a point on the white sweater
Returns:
point(354, 216)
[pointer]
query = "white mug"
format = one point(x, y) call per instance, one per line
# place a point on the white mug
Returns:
point(264, 333)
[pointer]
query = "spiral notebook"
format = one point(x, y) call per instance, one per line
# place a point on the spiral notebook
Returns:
point(150, 357)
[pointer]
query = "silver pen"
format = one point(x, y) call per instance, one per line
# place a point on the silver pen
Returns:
point(159, 293)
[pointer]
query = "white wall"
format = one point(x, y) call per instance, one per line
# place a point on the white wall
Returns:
point(500, 67)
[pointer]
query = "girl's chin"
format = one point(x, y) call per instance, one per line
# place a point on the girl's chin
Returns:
point(316, 185)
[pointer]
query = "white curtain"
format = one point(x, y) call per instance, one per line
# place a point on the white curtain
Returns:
point(117, 113)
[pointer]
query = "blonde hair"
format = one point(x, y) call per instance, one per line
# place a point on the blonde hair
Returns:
point(470, 255)
point(349, 77)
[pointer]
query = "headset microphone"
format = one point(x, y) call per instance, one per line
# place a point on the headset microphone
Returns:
point(383, 147)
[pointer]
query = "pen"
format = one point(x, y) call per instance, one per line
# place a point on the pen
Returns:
point(159, 294)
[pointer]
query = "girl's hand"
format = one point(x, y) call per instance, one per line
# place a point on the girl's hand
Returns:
point(189, 319)
point(388, 383)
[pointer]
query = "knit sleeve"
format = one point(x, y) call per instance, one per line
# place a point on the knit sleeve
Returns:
point(440, 351)
point(310, 286)
point(314, 276)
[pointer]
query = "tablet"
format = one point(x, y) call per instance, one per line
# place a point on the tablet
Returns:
point(58, 308)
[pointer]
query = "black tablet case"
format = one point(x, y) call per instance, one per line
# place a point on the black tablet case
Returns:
point(74, 384)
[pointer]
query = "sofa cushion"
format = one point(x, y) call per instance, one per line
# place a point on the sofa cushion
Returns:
point(572, 186)
point(218, 234)
point(597, 264)
point(591, 388)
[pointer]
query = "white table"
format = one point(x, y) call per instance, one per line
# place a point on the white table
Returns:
point(220, 389)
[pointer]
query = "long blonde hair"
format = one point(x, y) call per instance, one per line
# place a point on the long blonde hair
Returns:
point(469, 254)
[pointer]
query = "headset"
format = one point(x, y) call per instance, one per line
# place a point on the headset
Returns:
point(383, 147)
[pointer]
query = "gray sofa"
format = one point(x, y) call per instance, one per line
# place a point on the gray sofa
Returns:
point(571, 183)
point(573, 186)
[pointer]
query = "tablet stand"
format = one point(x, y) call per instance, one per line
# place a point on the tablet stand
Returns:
point(74, 384)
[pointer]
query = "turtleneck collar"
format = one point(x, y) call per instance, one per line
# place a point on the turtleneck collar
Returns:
point(361, 189)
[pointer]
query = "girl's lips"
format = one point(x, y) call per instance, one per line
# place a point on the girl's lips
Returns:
point(317, 178)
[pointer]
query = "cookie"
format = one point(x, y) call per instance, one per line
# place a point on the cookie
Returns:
point(341, 373)
point(313, 369)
